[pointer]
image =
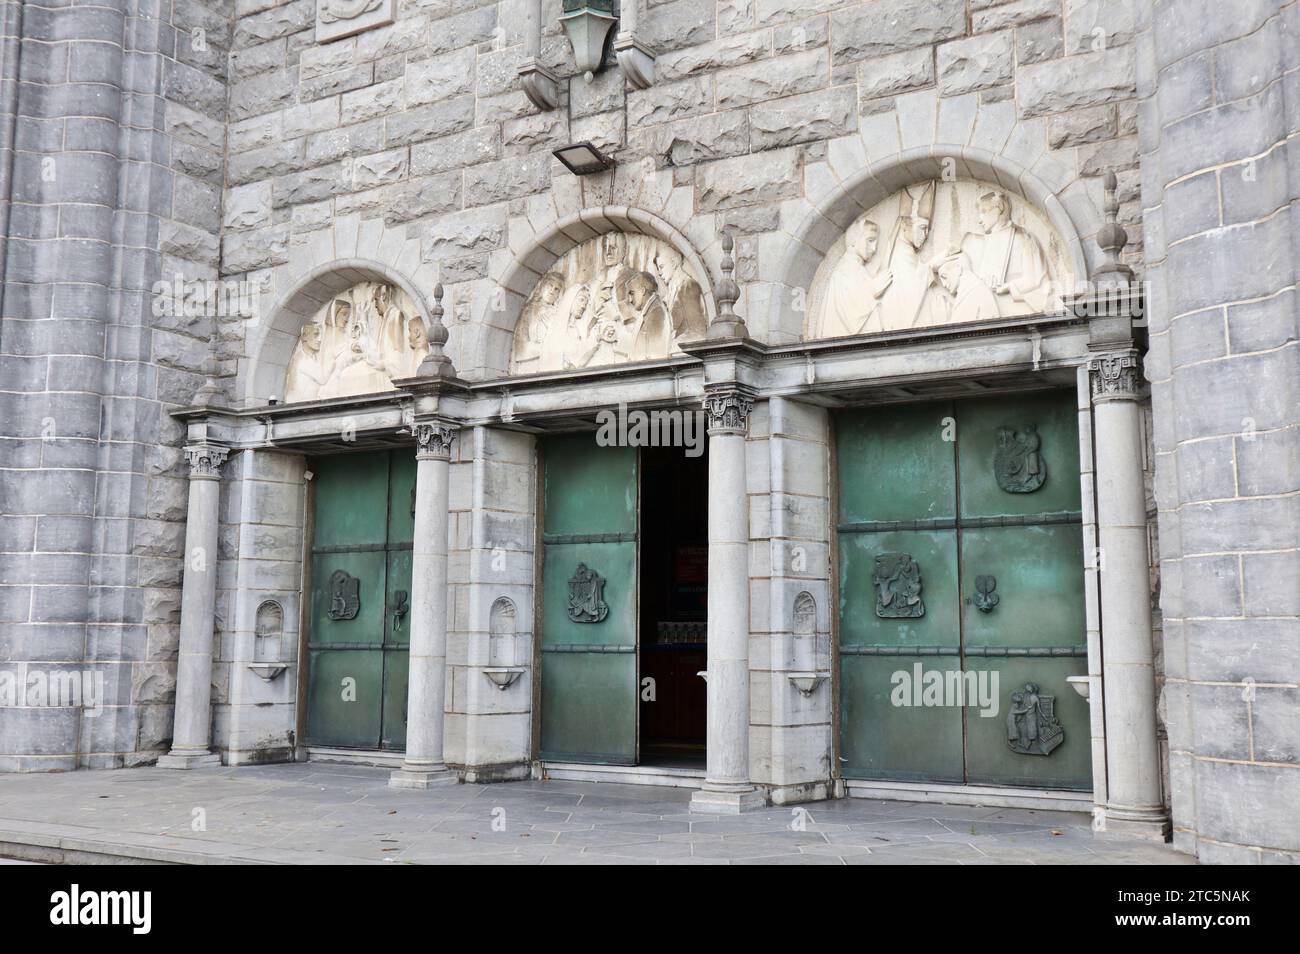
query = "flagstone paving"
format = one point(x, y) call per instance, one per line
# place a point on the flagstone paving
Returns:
point(317, 813)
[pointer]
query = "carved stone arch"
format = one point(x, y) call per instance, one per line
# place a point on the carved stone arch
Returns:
point(821, 228)
point(270, 350)
point(519, 276)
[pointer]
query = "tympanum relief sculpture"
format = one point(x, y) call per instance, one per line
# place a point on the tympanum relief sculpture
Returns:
point(610, 300)
point(356, 344)
point(938, 253)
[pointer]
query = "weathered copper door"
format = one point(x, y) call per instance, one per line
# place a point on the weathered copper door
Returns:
point(588, 632)
point(961, 593)
point(359, 633)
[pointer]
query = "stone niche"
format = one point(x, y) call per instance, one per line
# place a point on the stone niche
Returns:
point(357, 343)
point(613, 299)
point(939, 253)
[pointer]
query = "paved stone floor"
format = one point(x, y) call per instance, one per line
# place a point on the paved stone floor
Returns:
point(317, 813)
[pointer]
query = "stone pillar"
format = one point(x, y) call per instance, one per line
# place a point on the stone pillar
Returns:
point(727, 788)
point(190, 735)
point(1134, 804)
point(423, 766)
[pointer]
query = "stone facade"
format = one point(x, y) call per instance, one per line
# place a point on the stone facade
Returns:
point(1219, 114)
point(114, 137)
point(190, 141)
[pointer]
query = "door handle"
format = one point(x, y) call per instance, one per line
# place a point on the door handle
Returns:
point(401, 609)
point(985, 597)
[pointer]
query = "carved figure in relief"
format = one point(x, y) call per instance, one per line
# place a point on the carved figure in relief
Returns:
point(1007, 258)
point(1032, 725)
point(646, 326)
point(854, 293)
point(356, 344)
point(681, 295)
point(613, 251)
point(417, 337)
point(1017, 460)
point(894, 271)
point(908, 300)
point(570, 341)
point(606, 346)
point(540, 321)
point(309, 368)
point(897, 579)
point(967, 298)
point(612, 299)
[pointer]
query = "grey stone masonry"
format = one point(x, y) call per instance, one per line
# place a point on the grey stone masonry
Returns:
point(212, 139)
point(183, 182)
point(113, 123)
point(1219, 114)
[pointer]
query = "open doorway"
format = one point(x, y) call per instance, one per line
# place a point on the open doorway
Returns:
point(673, 582)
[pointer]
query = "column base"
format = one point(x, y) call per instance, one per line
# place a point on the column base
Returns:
point(1144, 824)
point(188, 760)
point(714, 802)
point(419, 779)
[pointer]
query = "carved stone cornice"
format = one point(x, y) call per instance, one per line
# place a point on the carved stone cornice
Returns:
point(206, 460)
point(728, 408)
point(1115, 377)
point(433, 440)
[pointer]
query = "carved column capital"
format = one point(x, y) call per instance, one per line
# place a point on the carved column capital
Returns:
point(1115, 377)
point(206, 460)
point(433, 440)
point(728, 409)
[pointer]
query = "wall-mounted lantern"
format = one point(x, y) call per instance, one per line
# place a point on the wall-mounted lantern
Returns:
point(587, 23)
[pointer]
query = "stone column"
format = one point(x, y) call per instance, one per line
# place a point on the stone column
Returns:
point(727, 788)
point(1134, 805)
point(423, 766)
point(190, 735)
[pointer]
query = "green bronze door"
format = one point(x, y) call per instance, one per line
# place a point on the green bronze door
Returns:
point(961, 593)
point(588, 632)
point(360, 600)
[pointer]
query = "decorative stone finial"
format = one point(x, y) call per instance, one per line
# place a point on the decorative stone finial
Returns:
point(210, 393)
point(727, 324)
point(1111, 238)
point(437, 364)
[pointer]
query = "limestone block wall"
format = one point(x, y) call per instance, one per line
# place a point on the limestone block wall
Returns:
point(112, 127)
point(1219, 113)
point(222, 140)
point(789, 467)
point(414, 143)
point(493, 502)
point(261, 544)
